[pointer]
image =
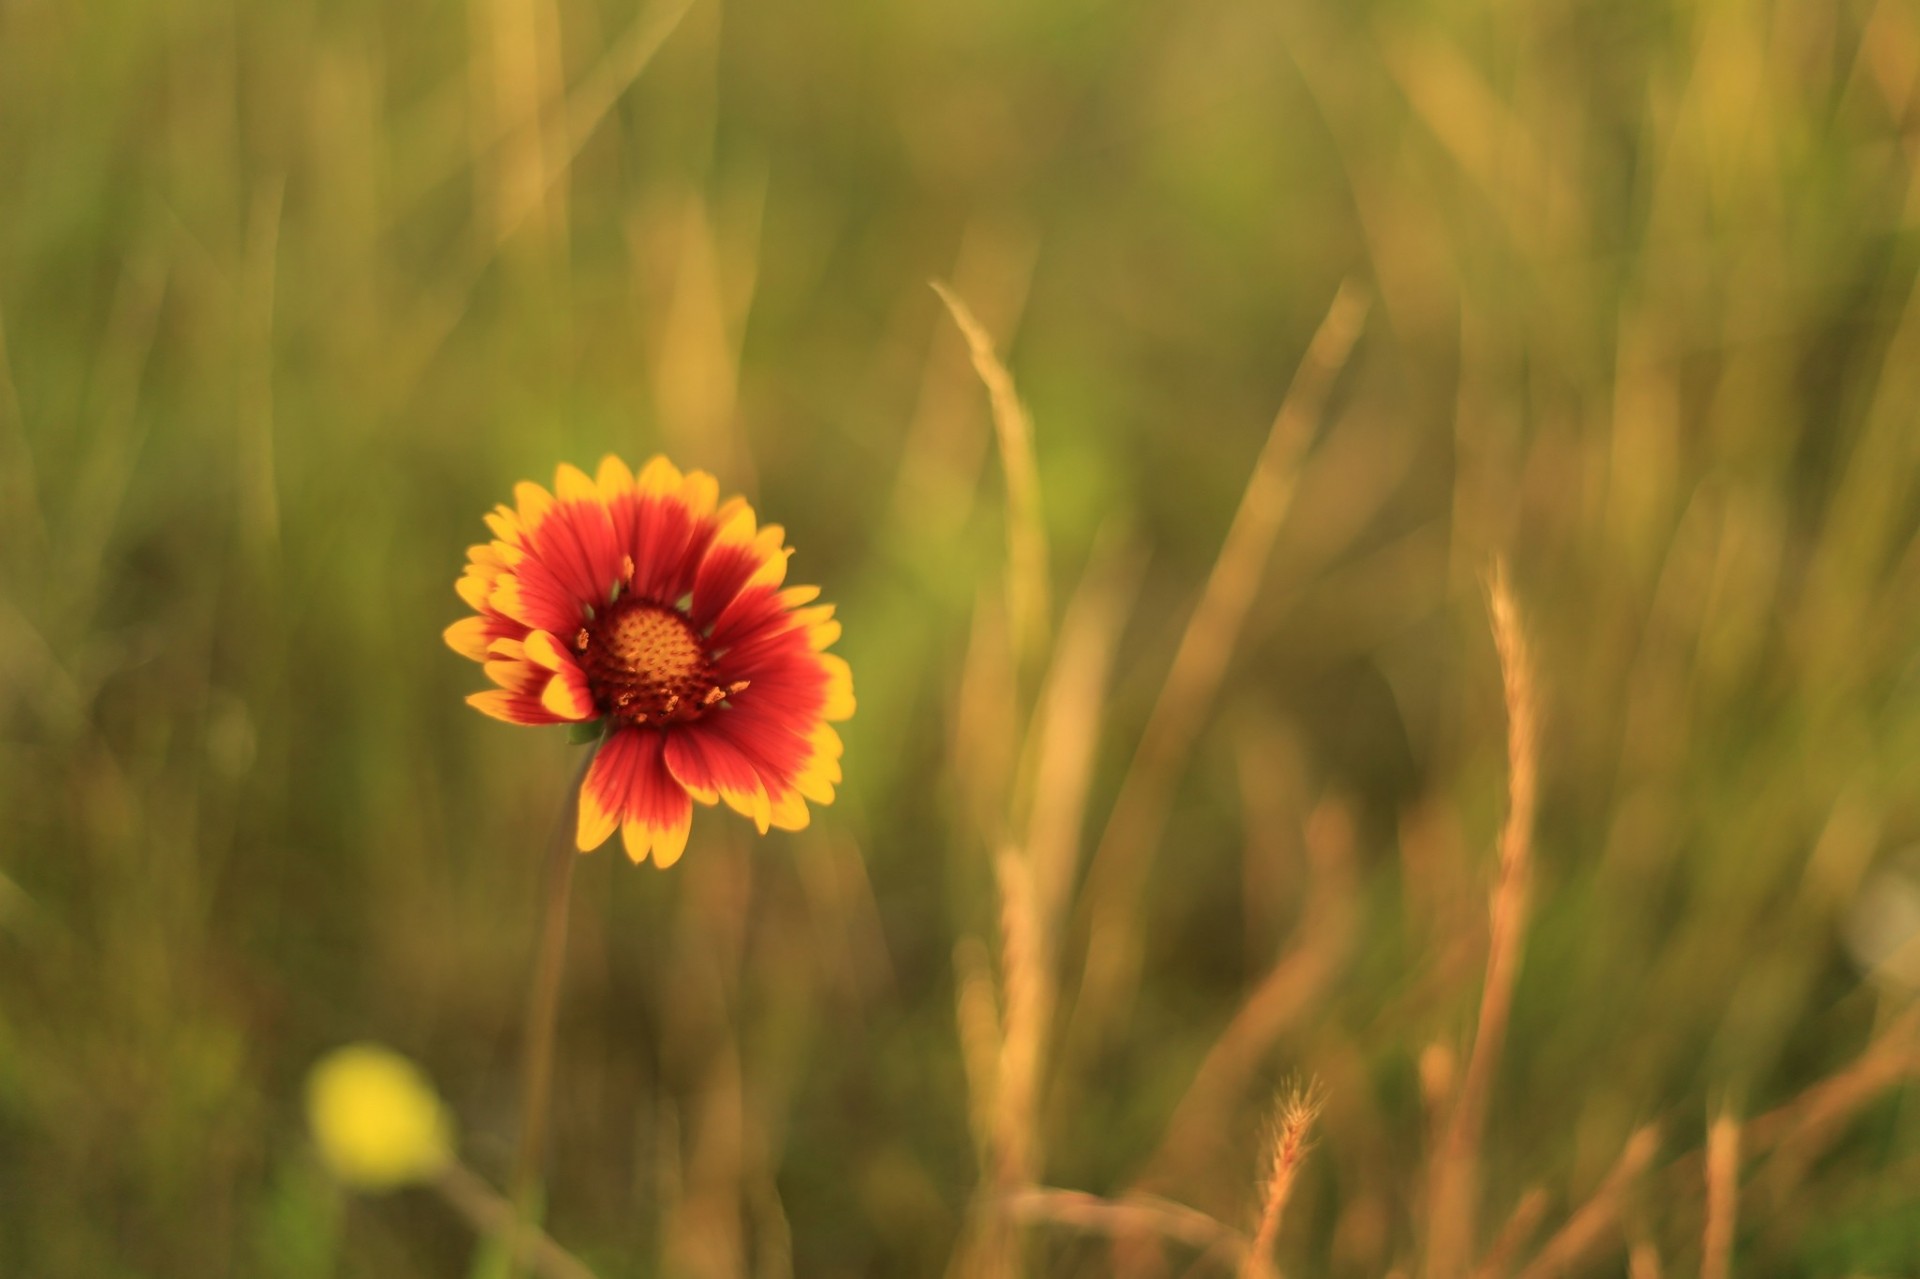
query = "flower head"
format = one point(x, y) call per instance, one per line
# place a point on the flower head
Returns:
point(376, 1119)
point(647, 605)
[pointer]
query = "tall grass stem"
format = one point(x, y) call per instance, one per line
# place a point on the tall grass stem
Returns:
point(1453, 1206)
point(1117, 875)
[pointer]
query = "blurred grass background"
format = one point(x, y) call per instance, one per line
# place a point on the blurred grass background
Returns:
point(291, 293)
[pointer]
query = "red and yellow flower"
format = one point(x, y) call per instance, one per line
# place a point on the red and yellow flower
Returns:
point(645, 603)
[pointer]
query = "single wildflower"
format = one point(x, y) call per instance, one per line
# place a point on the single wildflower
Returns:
point(648, 613)
point(376, 1120)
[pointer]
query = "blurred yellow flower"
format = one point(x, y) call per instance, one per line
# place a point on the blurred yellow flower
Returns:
point(376, 1119)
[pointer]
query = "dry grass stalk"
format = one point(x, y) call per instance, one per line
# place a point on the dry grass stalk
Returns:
point(702, 300)
point(1834, 1107)
point(985, 720)
point(978, 1016)
point(1797, 1133)
point(1643, 1262)
point(1067, 732)
point(1454, 1185)
point(259, 488)
point(1028, 1010)
point(526, 168)
point(1292, 1138)
point(1515, 1235)
point(1891, 1055)
point(602, 88)
point(1028, 592)
point(516, 86)
point(1287, 991)
point(534, 159)
point(1723, 1186)
point(1584, 1231)
point(1439, 1069)
point(23, 523)
point(1199, 664)
point(116, 433)
point(1794, 1134)
point(941, 456)
point(1136, 1214)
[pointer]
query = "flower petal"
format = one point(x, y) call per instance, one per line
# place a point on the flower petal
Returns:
point(534, 597)
point(739, 555)
point(658, 476)
point(668, 841)
point(533, 503)
point(628, 786)
point(473, 637)
point(663, 527)
point(840, 703)
point(603, 792)
point(570, 484)
point(657, 814)
point(576, 543)
point(790, 812)
point(614, 478)
point(567, 697)
point(514, 708)
point(505, 523)
point(544, 650)
point(474, 589)
point(821, 773)
point(708, 765)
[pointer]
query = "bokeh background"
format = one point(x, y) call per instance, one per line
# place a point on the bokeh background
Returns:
point(291, 293)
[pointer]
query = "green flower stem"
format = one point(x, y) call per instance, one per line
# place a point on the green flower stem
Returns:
point(482, 1207)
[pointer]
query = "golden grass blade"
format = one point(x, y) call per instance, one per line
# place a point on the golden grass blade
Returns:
point(25, 525)
point(446, 115)
point(1585, 1230)
point(1643, 1262)
point(1723, 1187)
point(1439, 1068)
point(1027, 1001)
point(551, 150)
point(259, 496)
point(1027, 573)
point(595, 96)
point(1515, 1235)
point(1454, 1185)
point(117, 434)
point(439, 311)
point(945, 443)
point(516, 86)
point(1066, 733)
point(1033, 881)
point(1292, 1138)
point(977, 1015)
point(1490, 141)
point(1134, 1214)
point(1287, 991)
point(1819, 1111)
point(985, 721)
point(703, 304)
point(1199, 664)
point(1798, 1132)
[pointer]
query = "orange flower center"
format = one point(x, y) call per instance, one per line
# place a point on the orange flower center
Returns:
point(646, 664)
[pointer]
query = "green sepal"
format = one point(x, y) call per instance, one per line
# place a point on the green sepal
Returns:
point(590, 731)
